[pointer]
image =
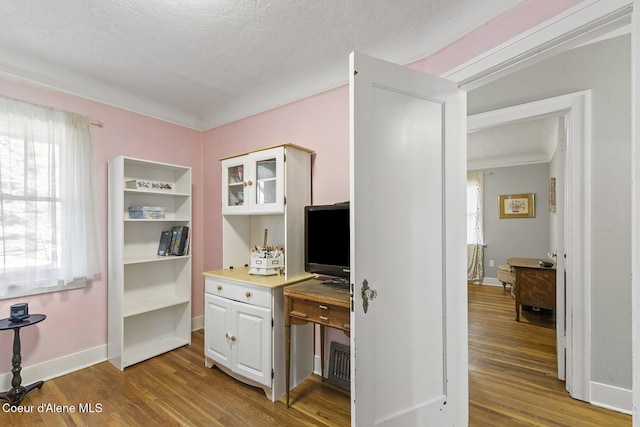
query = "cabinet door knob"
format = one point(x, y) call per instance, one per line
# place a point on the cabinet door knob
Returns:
point(248, 294)
point(219, 287)
point(231, 337)
point(249, 182)
point(244, 183)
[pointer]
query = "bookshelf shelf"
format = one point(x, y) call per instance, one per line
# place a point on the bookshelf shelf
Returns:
point(149, 306)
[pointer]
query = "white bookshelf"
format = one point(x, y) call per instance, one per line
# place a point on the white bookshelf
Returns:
point(149, 295)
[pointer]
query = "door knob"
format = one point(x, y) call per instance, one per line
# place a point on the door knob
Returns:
point(367, 294)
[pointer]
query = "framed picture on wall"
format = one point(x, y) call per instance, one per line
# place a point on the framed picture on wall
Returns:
point(517, 205)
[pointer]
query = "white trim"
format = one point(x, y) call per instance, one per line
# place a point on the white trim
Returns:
point(585, 21)
point(57, 367)
point(577, 108)
point(635, 216)
point(611, 397)
point(197, 323)
point(491, 281)
point(317, 366)
point(69, 363)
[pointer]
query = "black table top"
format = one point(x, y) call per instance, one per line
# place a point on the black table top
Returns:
point(6, 324)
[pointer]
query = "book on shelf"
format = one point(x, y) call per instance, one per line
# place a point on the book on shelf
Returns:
point(164, 248)
point(174, 241)
point(180, 234)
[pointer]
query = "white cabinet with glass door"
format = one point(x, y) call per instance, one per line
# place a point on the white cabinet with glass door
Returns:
point(254, 183)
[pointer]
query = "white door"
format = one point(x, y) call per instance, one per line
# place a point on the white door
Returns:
point(560, 237)
point(408, 257)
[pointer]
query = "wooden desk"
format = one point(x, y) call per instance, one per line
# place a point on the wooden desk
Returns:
point(534, 285)
point(311, 301)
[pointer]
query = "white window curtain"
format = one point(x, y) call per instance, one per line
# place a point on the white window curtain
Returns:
point(48, 223)
point(475, 228)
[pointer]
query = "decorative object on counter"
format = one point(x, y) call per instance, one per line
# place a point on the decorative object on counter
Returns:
point(517, 206)
point(145, 184)
point(266, 260)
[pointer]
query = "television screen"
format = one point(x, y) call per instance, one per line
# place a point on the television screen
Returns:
point(327, 240)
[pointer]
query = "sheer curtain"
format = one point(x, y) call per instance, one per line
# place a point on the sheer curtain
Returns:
point(48, 217)
point(475, 228)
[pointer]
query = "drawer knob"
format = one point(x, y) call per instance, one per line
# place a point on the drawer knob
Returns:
point(324, 307)
point(219, 287)
point(248, 294)
point(231, 337)
point(324, 319)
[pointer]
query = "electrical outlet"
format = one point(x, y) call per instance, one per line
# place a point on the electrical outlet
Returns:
point(492, 263)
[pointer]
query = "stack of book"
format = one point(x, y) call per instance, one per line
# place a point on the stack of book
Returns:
point(174, 242)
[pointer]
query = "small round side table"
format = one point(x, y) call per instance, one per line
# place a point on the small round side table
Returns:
point(18, 391)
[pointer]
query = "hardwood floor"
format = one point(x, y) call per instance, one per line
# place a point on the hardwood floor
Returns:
point(511, 380)
point(513, 370)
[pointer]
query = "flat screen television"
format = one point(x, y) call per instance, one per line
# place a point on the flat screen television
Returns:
point(327, 241)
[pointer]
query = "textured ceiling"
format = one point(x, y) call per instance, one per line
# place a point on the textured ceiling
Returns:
point(532, 141)
point(202, 63)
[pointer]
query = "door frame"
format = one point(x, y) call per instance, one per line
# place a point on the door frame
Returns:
point(584, 22)
point(576, 107)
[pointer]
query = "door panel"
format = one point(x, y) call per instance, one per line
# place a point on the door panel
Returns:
point(252, 348)
point(408, 160)
point(218, 325)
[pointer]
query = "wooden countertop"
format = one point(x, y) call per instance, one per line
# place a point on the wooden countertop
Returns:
point(325, 293)
point(242, 275)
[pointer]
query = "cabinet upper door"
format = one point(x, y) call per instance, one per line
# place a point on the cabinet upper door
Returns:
point(234, 186)
point(267, 189)
point(254, 183)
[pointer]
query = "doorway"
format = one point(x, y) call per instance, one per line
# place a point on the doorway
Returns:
point(522, 153)
point(572, 338)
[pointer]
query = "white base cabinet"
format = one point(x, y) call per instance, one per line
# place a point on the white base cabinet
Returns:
point(244, 332)
point(239, 337)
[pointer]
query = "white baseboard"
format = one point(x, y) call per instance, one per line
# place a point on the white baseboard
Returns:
point(611, 397)
point(57, 367)
point(70, 363)
point(317, 366)
point(197, 323)
point(491, 281)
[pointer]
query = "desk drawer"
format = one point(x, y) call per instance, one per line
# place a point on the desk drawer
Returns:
point(326, 314)
point(254, 295)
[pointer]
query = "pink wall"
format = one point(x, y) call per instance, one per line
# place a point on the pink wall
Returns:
point(77, 319)
point(320, 123)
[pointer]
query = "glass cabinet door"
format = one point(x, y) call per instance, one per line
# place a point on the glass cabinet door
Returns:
point(266, 181)
point(267, 188)
point(235, 179)
point(254, 183)
point(234, 186)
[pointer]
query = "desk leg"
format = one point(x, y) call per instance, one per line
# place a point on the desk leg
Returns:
point(287, 352)
point(18, 392)
point(322, 352)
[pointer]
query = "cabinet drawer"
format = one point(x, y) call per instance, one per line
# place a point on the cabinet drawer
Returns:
point(327, 314)
point(236, 291)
